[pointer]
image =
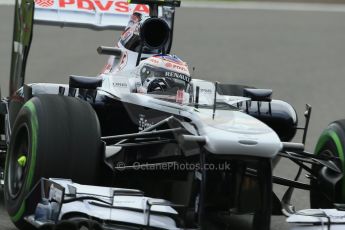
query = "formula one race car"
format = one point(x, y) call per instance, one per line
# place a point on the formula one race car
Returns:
point(204, 150)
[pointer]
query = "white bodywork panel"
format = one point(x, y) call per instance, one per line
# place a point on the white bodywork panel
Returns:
point(207, 90)
point(231, 132)
point(131, 209)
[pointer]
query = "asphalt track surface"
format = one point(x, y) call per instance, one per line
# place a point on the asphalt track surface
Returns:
point(298, 54)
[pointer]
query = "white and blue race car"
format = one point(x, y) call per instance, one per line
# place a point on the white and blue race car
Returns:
point(204, 150)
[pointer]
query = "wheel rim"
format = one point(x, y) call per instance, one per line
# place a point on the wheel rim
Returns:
point(324, 200)
point(18, 164)
point(328, 152)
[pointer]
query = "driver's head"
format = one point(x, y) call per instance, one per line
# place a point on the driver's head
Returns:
point(164, 73)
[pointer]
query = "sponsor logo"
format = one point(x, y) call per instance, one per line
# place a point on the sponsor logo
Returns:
point(205, 90)
point(126, 34)
point(178, 75)
point(101, 5)
point(44, 3)
point(169, 65)
point(153, 60)
point(176, 66)
point(120, 84)
point(143, 122)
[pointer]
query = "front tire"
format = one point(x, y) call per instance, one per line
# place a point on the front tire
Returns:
point(53, 137)
point(330, 143)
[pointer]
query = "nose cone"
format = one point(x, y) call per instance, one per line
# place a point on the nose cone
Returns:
point(236, 133)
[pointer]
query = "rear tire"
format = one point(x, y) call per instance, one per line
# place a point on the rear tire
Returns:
point(331, 142)
point(53, 137)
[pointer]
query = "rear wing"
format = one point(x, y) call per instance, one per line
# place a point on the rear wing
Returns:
point(91, 14)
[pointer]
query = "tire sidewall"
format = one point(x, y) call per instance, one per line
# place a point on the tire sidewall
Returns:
point(64, 142)
point(333, 140)
point(17, 207)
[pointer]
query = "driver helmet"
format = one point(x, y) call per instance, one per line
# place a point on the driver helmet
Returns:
point(164, 73)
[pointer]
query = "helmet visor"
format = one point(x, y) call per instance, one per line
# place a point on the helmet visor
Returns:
point(174, 79)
